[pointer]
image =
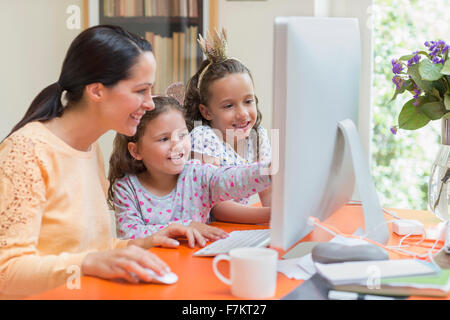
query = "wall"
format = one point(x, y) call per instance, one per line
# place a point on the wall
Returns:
point(250, 30)
point(361, 9)
point(35, 39)
point(249, 26)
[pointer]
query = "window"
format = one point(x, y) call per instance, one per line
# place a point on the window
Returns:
point(401, 163)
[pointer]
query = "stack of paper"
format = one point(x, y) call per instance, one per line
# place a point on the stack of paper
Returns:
point(433, 285)
point(374, 271)
point(388, 277)
point(299, 268)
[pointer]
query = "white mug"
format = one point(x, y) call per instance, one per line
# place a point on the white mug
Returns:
point(253, 272)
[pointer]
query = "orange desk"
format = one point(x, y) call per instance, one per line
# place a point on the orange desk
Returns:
point(197, 280)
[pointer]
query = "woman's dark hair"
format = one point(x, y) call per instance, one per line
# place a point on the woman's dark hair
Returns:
point(102, 54)
point(121, 161)
point(195, 96)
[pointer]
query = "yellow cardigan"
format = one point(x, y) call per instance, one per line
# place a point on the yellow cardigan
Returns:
point(53, 210)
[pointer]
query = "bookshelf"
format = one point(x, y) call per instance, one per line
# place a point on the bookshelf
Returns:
point(171, 26)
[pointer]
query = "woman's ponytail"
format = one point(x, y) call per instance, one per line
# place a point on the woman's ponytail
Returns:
point(45, 106)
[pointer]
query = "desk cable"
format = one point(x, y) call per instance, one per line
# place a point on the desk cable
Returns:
point(399, 248)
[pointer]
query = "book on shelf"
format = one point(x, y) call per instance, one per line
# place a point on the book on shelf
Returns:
point(174, 41)
point(150, 8)
point(123, 8)
point(193, 48)
point(176, 57)
point(181, 47)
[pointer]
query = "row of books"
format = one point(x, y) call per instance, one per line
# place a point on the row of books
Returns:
point(150, 8)
point(176, 57)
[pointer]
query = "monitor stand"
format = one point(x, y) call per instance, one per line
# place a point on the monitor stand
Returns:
point(374, 221)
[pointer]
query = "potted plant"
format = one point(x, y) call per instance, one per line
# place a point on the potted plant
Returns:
point(425, 75)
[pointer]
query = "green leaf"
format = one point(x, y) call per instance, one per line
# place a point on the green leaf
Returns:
point(436, 94)
point(433, 110)
point(423, 52)
point(407, 57)
point(412, 117)
point(441, 86)
point(429, 70)
point(447, 101)
point(446, 68)
point(424, 85)
point(402, 89)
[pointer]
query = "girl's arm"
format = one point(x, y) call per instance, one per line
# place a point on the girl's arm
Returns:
point(266, 197)
point(204, 158)
point(130, 223)
point(265, 156)
point(230, 211)
point(235, 182)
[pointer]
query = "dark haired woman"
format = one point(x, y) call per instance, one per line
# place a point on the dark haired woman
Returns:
point(54, 218)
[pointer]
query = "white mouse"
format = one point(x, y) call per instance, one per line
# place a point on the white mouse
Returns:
point(168, 278)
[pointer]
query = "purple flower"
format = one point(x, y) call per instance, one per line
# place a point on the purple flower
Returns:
point(414, 59)
point(437, 50)
point(398, 81)
point(396, 66)
point(394, 129)
point(417, 92)
point(437, 60)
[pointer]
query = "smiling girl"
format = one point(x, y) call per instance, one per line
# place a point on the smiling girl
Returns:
point(225, 124)
point(154, 186)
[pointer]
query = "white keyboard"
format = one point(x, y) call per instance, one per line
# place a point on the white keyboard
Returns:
point(237, 239)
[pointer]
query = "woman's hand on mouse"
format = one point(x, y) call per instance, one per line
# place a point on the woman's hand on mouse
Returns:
point(126, 263)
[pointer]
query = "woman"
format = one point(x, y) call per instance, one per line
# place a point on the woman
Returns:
point(53, 210)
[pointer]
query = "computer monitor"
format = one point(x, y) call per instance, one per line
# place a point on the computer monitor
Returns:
point(316, 86)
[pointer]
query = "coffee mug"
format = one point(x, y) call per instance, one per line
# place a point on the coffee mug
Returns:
point(253, 272)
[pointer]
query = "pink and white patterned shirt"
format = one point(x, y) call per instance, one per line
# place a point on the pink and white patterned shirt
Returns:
point(139, 213)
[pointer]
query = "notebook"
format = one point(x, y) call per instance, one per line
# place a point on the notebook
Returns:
point(363, 272)
point(433, 286)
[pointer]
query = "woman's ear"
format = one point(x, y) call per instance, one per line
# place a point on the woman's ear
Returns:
point(133, 149)
point(95, 91)
point(205, 112)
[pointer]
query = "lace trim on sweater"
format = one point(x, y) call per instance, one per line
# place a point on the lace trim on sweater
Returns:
point(21, 185)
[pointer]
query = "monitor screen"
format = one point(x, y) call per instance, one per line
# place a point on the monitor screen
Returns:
point(316, 85)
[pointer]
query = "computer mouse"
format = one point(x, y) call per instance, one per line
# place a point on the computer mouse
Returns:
point(329, 252)
point(168, 278)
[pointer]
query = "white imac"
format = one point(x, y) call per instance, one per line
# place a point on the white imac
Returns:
point(316, 87)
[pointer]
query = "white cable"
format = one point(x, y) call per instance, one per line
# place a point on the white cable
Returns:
point(312, 222)
point(397, 248)
point(378, 226)
point(358, 202)
point(401, 240)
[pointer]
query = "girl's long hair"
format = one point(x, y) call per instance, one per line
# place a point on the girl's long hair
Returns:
point(122, 162)
point(102, 54)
